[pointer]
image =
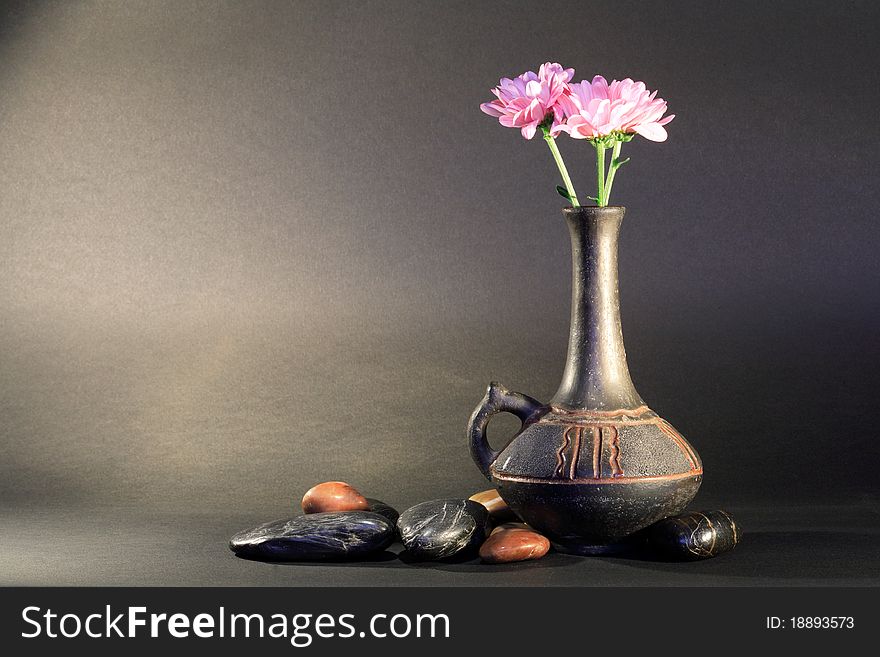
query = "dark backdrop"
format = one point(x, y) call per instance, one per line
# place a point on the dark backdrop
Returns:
point(247, 247)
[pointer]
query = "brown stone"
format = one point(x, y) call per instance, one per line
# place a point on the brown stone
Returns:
point(333, 496)
point(512, 525)
point(513, 542)
point(497, 507)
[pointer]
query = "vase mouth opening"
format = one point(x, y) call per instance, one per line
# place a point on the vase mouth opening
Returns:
point(594, 211)
point(570, 208)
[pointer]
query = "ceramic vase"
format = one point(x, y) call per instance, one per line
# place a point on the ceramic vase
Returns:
point(594, 464)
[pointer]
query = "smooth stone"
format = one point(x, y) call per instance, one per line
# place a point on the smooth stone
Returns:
point(495, 505)
point(692, 536)
point(378, 506)
point(443, 529)
point(316, 537)
point(333, 496)
point(512, 525)
point(514, 542)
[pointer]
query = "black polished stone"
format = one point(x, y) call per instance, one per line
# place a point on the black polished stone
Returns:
point(692, 536)
point(334, 535)
point(378, 506)
point(443, 529)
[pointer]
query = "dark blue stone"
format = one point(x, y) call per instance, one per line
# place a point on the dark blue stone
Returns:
point(378, 506)
point(443, 529)
point(693, 536)
point(334, 535)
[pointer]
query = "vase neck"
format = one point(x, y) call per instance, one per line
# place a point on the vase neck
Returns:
point(596, 376)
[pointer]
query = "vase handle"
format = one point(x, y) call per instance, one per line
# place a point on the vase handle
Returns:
point(498, 399)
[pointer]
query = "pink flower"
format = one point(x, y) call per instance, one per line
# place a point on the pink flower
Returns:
point(597, 109)
point(526, 101)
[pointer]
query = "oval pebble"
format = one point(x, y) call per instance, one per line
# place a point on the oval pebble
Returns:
point(378, 506)
point(693, 536)
point(514, 542)
point(333, 496)
point(495, 505)
point(315, 537)
point(443, 529)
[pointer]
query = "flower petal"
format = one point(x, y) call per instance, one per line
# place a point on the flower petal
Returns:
point(651, 131)
point(490, 109)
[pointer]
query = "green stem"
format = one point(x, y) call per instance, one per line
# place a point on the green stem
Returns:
point(615, 165)
point(601, 201)
point(551, 142)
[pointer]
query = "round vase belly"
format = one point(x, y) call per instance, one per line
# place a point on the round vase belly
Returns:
point(587, 481)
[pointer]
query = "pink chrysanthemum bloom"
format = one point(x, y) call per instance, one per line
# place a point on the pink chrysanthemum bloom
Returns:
point(597, 109)
point(526, 101)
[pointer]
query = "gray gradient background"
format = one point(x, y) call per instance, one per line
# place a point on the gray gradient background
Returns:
point(247, 247)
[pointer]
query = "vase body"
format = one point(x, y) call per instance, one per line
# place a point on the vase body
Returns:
point(595, 464)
